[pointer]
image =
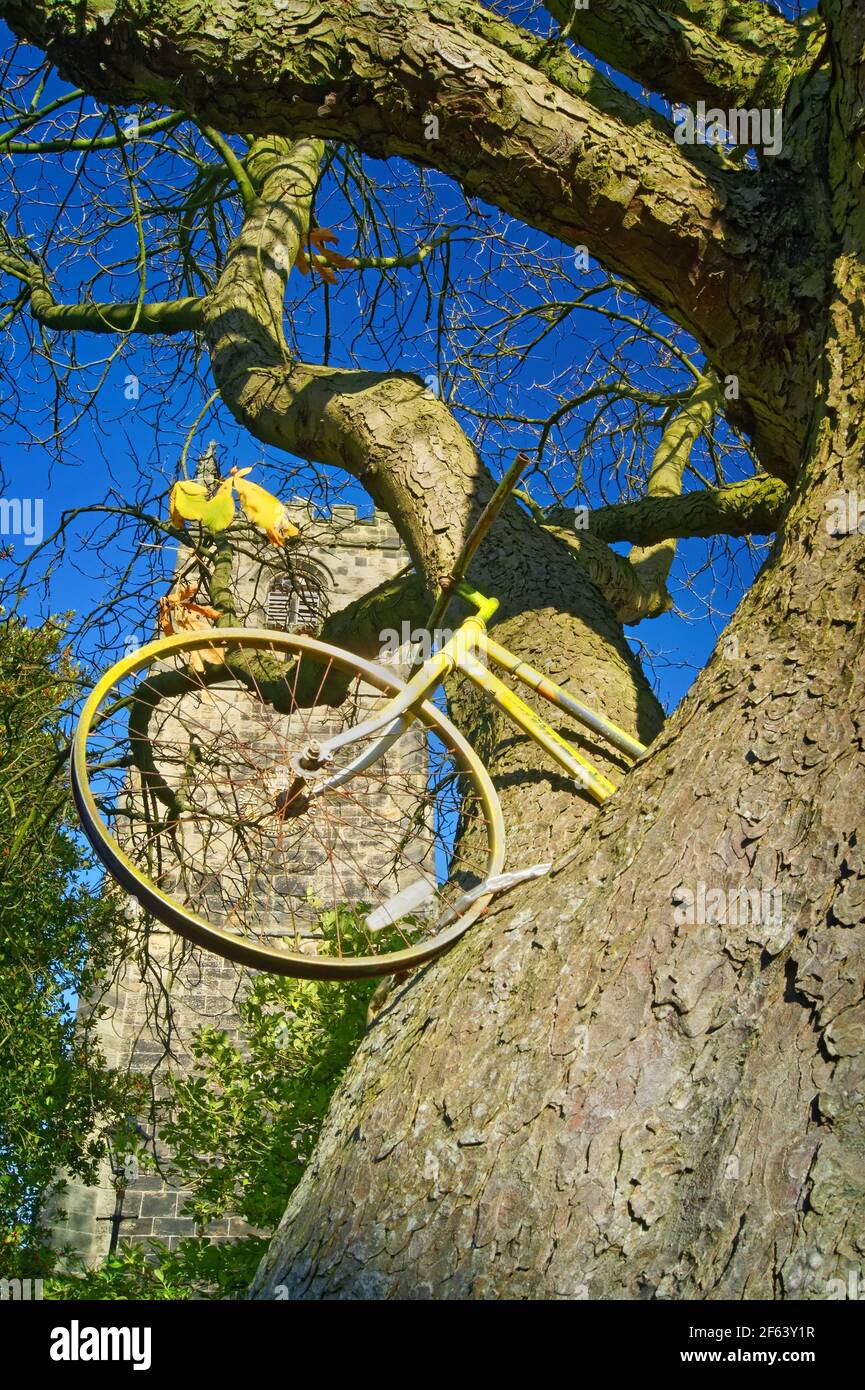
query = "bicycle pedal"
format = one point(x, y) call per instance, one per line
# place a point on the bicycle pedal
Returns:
point(499, 883)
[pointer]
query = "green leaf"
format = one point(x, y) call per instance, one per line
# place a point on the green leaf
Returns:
point(219, 511)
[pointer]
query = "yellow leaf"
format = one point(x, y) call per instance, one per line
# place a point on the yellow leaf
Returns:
point(186, 501)
point(218, 513)
point(207, 656)
point(264, 510)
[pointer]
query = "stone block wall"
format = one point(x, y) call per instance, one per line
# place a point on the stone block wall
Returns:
point(347, 556)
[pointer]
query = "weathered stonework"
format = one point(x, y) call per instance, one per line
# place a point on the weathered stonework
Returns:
point(148, 1027)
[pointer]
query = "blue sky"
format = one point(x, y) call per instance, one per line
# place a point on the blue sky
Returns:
point(128, 449)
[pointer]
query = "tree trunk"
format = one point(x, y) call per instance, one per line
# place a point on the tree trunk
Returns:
point(633, 1081)
point(593, 1093)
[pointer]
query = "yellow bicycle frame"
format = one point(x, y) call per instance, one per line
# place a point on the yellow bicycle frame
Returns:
point(465, 651)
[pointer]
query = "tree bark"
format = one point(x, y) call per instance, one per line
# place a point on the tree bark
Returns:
point(691, 54)
point(593, 1093)
point(589, 1094)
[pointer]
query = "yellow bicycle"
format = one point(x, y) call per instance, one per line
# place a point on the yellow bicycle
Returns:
point(297, 809)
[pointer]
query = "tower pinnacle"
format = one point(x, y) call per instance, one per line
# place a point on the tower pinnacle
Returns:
point(207, 468)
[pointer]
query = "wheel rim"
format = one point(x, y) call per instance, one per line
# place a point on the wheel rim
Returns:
point(196, 927)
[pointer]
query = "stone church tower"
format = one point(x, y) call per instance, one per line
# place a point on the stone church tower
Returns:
point(337, 558)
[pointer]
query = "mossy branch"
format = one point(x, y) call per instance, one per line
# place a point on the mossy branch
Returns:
point(753, 507)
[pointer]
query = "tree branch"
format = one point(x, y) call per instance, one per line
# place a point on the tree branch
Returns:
point(358, 626)
point(651, 564)
point(636, 585)
point(614, 576)
point(684, 52)
point(160, 316)
point(750, 508)
point(233, 165)
point(751, 24)
point(384, 428)
point(87, 144)
point(569, 153)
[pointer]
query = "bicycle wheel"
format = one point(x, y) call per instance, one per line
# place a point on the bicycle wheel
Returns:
point(183, 765)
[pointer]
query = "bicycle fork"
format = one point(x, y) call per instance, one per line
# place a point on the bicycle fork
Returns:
point(389, 725)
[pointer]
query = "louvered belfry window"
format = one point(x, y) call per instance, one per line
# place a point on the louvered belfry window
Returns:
point(296, 604)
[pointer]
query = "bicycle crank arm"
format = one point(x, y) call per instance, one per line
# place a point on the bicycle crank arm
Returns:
point(302, 761)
